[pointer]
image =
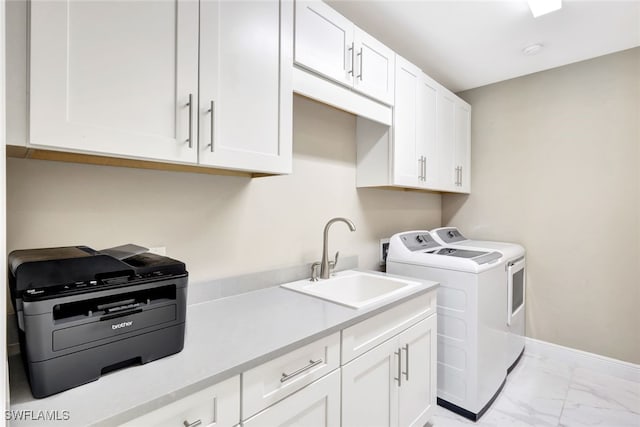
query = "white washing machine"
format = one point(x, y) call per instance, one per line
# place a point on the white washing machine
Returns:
point(514, 279)
point(472, 338)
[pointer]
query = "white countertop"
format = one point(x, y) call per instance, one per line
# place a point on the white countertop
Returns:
point(224, 337)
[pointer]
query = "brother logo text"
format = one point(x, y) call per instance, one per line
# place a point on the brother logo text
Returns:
point(122, 325)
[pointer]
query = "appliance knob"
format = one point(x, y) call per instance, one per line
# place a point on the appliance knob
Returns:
point(451, 234)
point(419, 238)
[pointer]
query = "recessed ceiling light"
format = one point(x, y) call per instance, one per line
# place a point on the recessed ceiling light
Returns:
point(542, 7)
point(532, 49)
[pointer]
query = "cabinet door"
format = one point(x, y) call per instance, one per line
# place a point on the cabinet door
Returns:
point(417, 395)
point(115, 77)
point(370, 387)
point(246, 99)
point(374, 67)
point(218, 406)
point(426, 137)
point(462, 150)
point(324, 41)
point(407, 164)
point(317, 405)
point(446, 106)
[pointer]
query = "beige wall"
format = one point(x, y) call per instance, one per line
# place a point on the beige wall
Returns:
point(555, 167)
point(220, 226)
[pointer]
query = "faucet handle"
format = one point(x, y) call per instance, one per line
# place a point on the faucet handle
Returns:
point(314, 272)
point(332, 264)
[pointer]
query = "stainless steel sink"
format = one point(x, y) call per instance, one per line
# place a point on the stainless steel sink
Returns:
point(355, 289)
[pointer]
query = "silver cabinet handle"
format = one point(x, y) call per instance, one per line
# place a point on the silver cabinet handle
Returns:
point(350, 49)
point(457, 175)
point(212, 110)
point(424, 168)
point(406, 361)
point(420, 163)
point(399, 378)
point(190, 105)
point(460, 176)
point(312, 363)
point(193, 424)
point(360, 55)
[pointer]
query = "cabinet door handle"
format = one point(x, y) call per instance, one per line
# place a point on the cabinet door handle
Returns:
point(399, 378)
point(350, 49)
point(212, 110)
point(312, 363)
point(193, 424)
point(190, 105)
point(420, 164)
point(424, 168)
point(360, 56)
point(406, 361)
point(460, 176)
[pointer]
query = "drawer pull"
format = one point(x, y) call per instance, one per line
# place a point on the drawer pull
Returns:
point(196, 423)
point(312, 363)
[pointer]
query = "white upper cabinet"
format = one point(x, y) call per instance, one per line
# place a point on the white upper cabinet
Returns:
point(446, 138)
point(331, 45)
point(426, 133)
point(373, 67)
point(407, 157)
point(182, 81)
point(115, 78)
point(245, 110)
point(428, 147)
point(462, 149)
point(454, 141)
point(324, 41)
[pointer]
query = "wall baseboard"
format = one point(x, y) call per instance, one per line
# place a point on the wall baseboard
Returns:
point(583, 359)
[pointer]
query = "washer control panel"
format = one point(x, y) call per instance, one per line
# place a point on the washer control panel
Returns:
point(418, 240)
point(450, 235)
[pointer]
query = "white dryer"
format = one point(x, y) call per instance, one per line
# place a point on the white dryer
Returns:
point(471, 333)
point(514, 279)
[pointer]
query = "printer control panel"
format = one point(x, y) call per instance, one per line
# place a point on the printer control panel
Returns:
point(36, 294)
point(418, 240)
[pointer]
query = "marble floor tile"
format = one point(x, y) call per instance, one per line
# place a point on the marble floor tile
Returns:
point(444, 418)
point(598, 390)
point(518, 412)
point(547, 392)
point(577, 415)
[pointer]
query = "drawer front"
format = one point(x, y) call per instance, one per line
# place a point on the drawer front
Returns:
point(218, 405)
point(270, 382)
point(365, 335)
point(317, 405)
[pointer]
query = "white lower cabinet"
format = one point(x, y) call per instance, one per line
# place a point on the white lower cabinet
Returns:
point(316, 405)
point(417, 393)
point(218, 405)
point(393, 384)
point(369, 388)
point(387, 378)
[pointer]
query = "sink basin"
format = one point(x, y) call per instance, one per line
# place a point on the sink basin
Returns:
point(355, 289)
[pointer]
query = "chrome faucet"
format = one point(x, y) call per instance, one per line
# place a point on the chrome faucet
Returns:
point(325, 265)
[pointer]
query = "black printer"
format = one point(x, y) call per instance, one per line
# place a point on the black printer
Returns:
point(82, 313)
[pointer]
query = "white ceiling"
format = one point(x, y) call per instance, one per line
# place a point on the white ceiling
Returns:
point(466, 44)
